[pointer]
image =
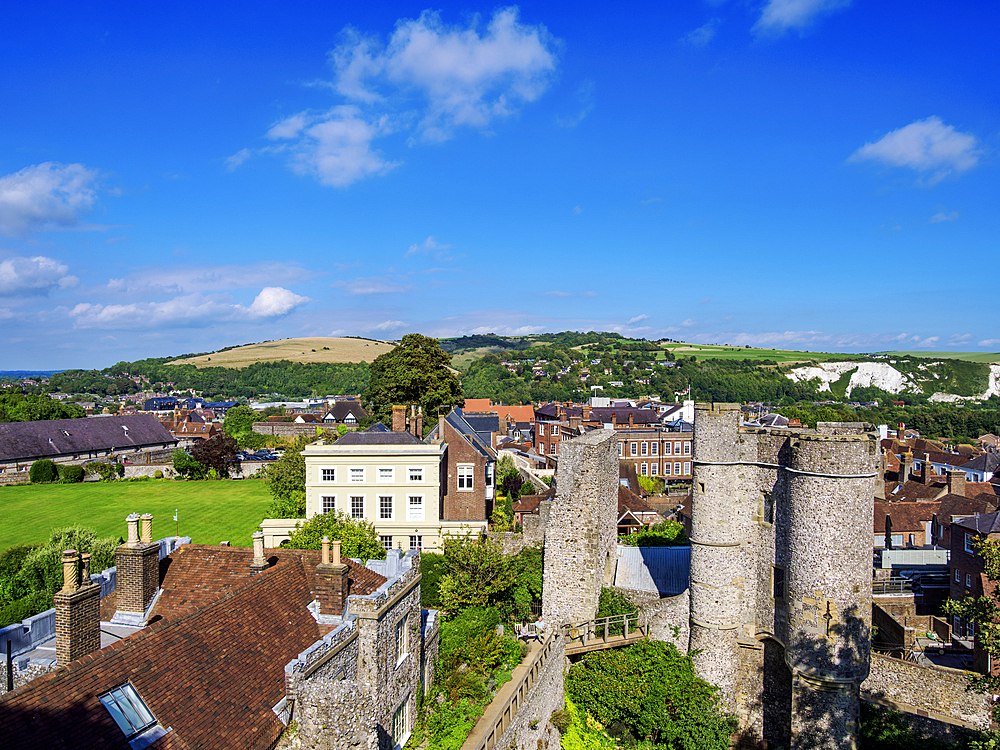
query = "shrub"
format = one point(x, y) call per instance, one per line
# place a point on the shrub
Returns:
point(431, 570)
point(72, 474)
point(613, 603)
point(43, 471)
point(120, 470)
point(157, 474)
point(459, 630)
point(105, 471)
point(663, 534)
point(25, 607)
point(358, 537)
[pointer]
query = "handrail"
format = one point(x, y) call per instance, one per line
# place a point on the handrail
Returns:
point(891, 587)
point(600, 628)
point(504, 713)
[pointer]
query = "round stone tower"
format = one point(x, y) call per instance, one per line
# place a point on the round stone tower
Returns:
point(831, 483)
point(718, 571)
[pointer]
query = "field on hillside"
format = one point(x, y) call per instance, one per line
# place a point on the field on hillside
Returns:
point(785, 356)
point(987, 357)
point(208, 512)
point(318, 349)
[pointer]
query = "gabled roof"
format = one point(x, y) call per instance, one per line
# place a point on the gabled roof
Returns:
point(630, 501)
point(459, 423)
point(60, 437)
point(986, 462)
point(482, 423)
point(341, 409)
point(621, 415)
point(985, 523)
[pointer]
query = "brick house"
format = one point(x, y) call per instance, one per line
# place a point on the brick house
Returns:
point(239, 642)
point(468, 478)
point(967, 576)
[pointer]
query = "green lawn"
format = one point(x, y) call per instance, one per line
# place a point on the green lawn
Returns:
point(987, 357)
point(209, 512)
point(711, 351)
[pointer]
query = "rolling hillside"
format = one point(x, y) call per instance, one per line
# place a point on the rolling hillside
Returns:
point(318, 349)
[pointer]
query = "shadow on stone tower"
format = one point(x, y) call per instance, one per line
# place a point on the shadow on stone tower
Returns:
point(780, 574)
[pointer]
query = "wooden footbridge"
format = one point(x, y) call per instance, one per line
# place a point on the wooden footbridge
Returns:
point(604, 632)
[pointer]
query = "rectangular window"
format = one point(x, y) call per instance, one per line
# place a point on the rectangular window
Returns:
point(357, 475)
point(385, 475)
point(958, 575)
point(555, 449)
point(329, 503)
point(555, 430)
point(399, 729)
point(643, 469)
point(666, 470)
point(541, 430)
point(541, 449)
point(687, 447)
point(621, 449)
point(386, 542)
point(677, 469)
point(400, 634)
point(415, 474)
point(328, 475)
point(778, 588)
point(667, 448)
point(970, 543)
point(687, 467)
point(654, 469)
point(633, 449)
point(128, 710)
point(357, 506)
point(968, 580)
point(416, 542)
point(654, 448)
point(415, 508)
point(465, 476)
point(385, 503)
point(644, 449)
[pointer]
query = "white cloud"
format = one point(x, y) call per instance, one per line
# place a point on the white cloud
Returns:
point(702, 35)
point(178, 279)
point(45, 195)
point(943, 216)
point(389, 325)
point(780, 15)
point(637, 319)
point(647, 201)
point(556, 293)
point(274, 301)
point(430, 245)
point(238, 158)
point(430, 78)
point(20, 276)
point(955, 339)
point(925, 146)
point(689, 323)
point(989, 342)
point(373, 285)
point(577, 210)
point(186, 311)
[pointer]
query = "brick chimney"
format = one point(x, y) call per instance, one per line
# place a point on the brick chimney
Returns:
point(631, 418)
point(398, 418)
point(905, 466)
point(418, 432)
point(333, 586)
point(926, 470)
point(138, 562)
point(880, 478)
point(78, 610)
point(901, 432)
point(956, 482)
point(586, 413)
point(441, 419)
point(259, 563)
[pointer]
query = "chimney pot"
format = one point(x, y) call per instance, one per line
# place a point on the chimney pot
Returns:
point(132, 522)
point(147, 528)
point(258, 563)
point(326, 550)
point(71, 574)
point(85, 568)
point(336, 552)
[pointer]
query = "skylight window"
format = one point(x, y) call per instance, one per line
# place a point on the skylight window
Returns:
point(128, 710)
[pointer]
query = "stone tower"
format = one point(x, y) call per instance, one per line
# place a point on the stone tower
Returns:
point(780, 573)
point(581, 535)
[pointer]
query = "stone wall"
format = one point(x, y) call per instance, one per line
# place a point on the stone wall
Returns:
point(935, 692)
point(290, 429)
point(13, 477)
point(545, 696)
point(668, 619)
point(581, 536)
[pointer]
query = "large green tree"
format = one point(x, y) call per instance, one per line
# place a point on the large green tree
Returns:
point(415, 372)
point(358, 537)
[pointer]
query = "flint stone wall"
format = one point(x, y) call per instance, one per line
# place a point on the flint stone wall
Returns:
point(581, 536)
point(935, 692)
point(546, 696)
point(668, 618)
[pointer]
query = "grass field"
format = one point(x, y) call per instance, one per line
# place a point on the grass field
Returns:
point(987, 357)
point(785, 356)
point(319, 349)
point(209, 512)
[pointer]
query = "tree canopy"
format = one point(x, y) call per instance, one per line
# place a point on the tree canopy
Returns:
point(415, 372)
point(357, 536)
point(16, 407)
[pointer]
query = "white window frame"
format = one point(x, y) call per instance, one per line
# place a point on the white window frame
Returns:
point(666, 469)
point(643, 470)
point(363, 502)
point(677, 468)
point(414, 511)
point(654, 470)
point(555, 430)
point(968, 544)
point(466, 474)
point(687, 467)
point(381, 507)
point(401, 640)
point(398, 729)
point(386, 540)
point(555, 449)
point(323, 504)
point(541, 429)
point(958, 575)
point(417, 542)
point(968, 580)
point(654, 448)
point(633, 449)
point(380, 479)
point(409, 474)
point(351, 474)
point(332, 474)
point(644, 448)
point(687, 447)
point(621, 450)
point(541, 449)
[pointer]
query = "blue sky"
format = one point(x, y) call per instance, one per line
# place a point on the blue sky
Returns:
point(816, 174)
